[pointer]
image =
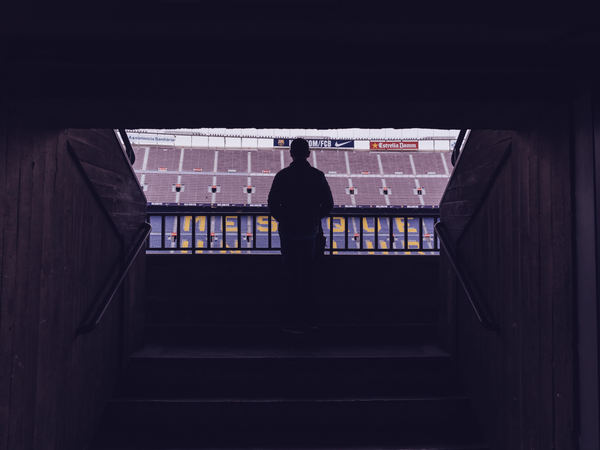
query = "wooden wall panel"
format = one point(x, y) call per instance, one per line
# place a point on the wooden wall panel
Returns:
point(586, 170)
point(58, 249)
point(114, 180)
point(468, 187)
point(7, 262)
point(134, 307)
point(20, 338)
point(518, 249)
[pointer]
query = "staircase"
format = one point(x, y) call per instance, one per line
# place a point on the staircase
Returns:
point(218, 372)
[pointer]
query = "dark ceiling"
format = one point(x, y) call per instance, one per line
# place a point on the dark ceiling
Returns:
point(310, 64)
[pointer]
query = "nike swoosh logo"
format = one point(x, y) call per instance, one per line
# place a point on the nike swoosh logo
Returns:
point(337, 144)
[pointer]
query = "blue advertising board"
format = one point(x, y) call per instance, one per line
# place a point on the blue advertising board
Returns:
point(317, 143)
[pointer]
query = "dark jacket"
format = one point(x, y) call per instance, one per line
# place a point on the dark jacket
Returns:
point(299, 198)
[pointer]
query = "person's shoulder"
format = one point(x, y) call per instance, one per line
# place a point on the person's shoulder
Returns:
point(283, 171)
point(317, 171)
point(319, 174)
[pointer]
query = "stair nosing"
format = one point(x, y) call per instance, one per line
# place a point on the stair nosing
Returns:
point(278, 326)
point(291, 357)
point(288, 399)
point(232, 352)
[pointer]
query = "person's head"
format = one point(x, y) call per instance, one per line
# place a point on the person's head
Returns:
point(299, 149)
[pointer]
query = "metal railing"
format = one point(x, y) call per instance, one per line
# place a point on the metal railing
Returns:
point(465, 280)
point(93, 322)
point(385, 231)
point(126, 144)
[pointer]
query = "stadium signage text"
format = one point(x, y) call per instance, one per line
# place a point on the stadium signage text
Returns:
point(150, 139)
point(317, 143)
point(397, 145)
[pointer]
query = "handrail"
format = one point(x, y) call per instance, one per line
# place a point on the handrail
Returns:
point(464, 279)
point(461, 140)
point(146, 228)
point(129, 149)
point(182, 238)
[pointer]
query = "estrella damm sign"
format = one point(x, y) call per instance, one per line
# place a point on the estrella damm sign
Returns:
point(397, 145)
point(317, 143)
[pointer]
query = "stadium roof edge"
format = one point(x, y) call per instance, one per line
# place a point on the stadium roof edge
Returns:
point(243, 136)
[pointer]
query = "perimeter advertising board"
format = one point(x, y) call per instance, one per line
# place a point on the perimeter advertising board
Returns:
point(406, 146)
point(152, 139)
point(317, 143)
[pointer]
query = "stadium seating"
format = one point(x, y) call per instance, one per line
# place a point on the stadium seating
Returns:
point(402, 192)
point(426, 163)
point(338, 189)
point(394, 163)
point(232, 160)
point(433, 188)
point(160, 187)
point(262, 186)
point(197, 173)
point(196, 188)
point(330, 161)
point(363, 162)
point(139, 158)
point(231, 189)
point(164, 158)
point(266, 160)
point(368, 191)
point(196, 160)
point(287, 159)
point(448, 158)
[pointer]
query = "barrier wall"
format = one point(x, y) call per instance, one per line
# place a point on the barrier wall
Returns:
point(59, 247)
point(508, 208)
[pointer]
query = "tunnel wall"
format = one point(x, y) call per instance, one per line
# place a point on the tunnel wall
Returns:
point(508, 208)
point(116, 188)
point(59, 246)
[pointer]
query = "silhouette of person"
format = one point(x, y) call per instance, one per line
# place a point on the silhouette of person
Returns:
point(299, 198)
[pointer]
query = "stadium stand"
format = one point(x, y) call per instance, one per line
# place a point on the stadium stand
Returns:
point(363, 162)
point(151, 163)
point(232, 160)
point(393, 163)
point(265, 160)
point(429, 162)
point(139, 160)
point(165, 157)
point(338, 189)
point(402, 192)
point(160, 187)
point(368, 191)
point(287, 159)
point(198, 159)
point(448, 158)
point(330, 161)
point(433, 189)
point(262, 186)
point(196, 188)
point(231, 189)
point(266, 163)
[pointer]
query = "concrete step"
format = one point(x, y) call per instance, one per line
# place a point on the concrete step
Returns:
point(218, 372)
point(162, 371)
point(292, 447)
point(251, 335)
point(199, 274)
point(248, 309)
point(267, 422)
point(253, 289)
